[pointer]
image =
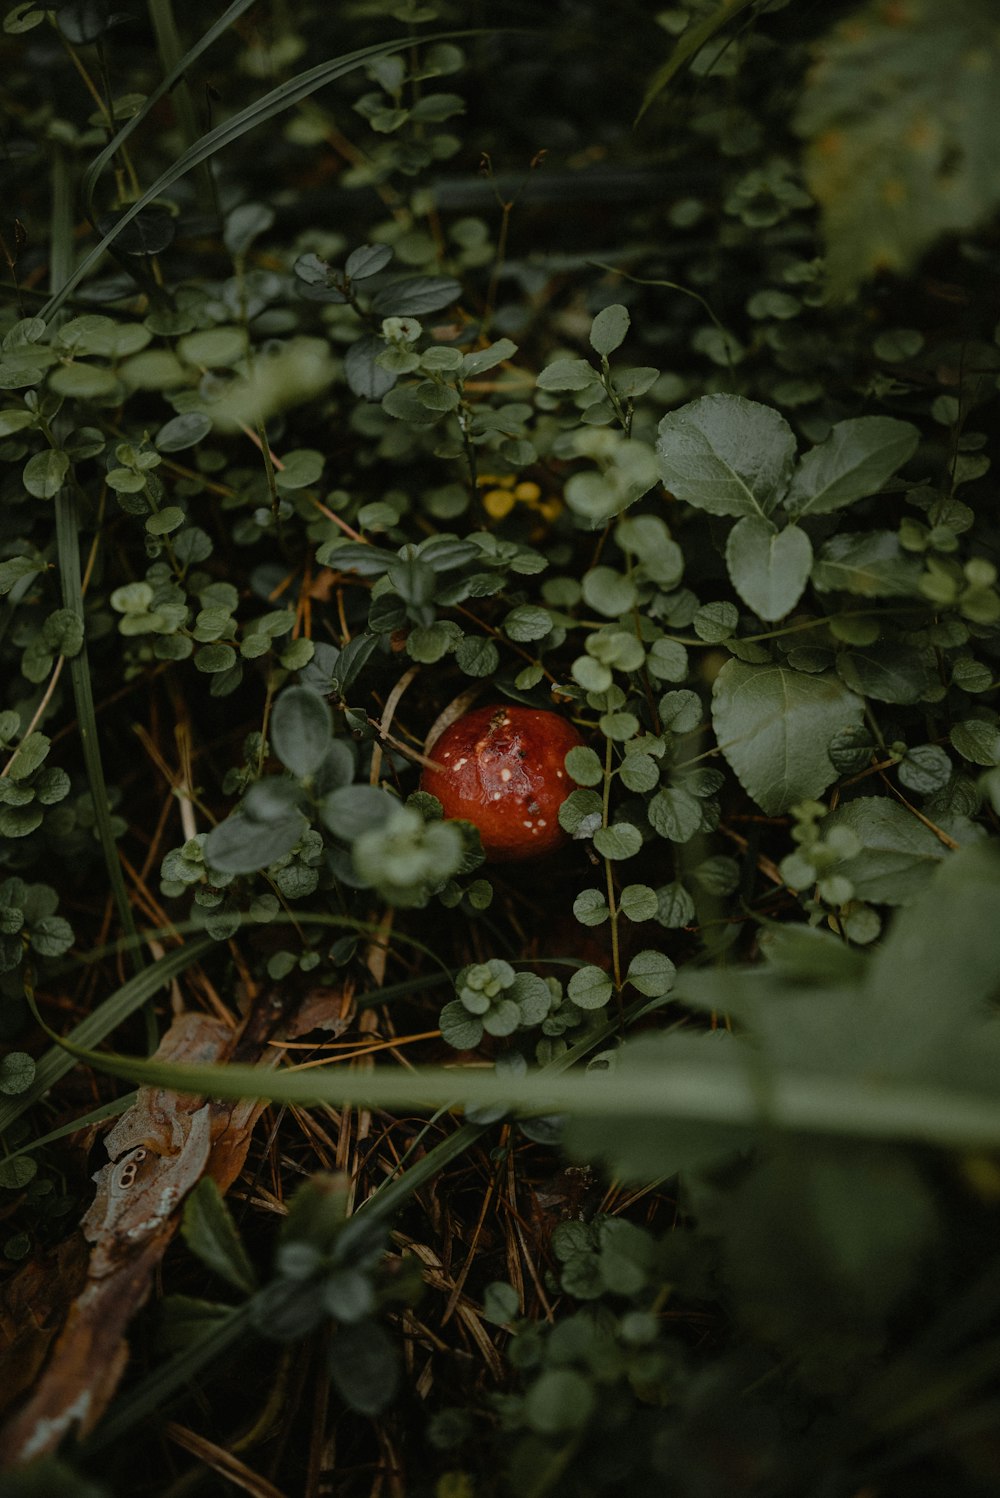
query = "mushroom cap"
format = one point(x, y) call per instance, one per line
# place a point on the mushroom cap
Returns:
point(502, 768)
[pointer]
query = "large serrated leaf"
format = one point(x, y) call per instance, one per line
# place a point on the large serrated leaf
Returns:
point(855, 461)
point(774, 724)
point(726, 455)
point(899, 853)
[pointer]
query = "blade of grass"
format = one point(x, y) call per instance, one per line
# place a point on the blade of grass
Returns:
point(92, 174)
point(688, 1092)
point(96, 1115)
point(168, 42)
point(258, 113)
point(170, 1377)
point(57, 1061)
point(71, 583)
point(690, 43)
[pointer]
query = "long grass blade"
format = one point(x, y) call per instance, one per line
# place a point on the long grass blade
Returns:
point(71, 582)
point(684, 1091)
point(57, 1061)
point(92, 174)
point(258, 113)
point(690, 43)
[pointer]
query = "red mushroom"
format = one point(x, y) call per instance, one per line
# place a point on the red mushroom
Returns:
point(502, 769)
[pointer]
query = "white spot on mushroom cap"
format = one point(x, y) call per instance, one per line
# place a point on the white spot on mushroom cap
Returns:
point(505, 776)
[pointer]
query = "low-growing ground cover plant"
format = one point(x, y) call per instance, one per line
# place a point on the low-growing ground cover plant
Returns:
point(499, 755)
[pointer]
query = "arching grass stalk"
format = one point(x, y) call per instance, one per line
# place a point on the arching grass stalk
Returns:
point(67, 520)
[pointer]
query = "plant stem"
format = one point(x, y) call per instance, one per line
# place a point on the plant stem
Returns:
point(168, 43)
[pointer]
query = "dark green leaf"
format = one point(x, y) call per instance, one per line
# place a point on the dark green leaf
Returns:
point(898, 855)
point(301, 730)
point(365, 1366)
point(210, 1232)
point(413, 296)
point(769, 568)
point(855, 460)
point(726, 455)
point(774, 725)
point(888, 672)
point(366, 378)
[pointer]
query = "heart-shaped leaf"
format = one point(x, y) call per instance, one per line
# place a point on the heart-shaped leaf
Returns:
point(769, 568)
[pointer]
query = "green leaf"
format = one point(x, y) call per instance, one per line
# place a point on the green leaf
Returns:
point(210, 1233)
point(872, 564)
point(567, 374)
point(899, 854)
point(931, 983)
point(855, 461)
point(15, 1173)
point(821, 1242)
point(925, 768)
point(31, 752)
point(349, 1295)
point(693, 38)
point(367, 260)
point(726, 455)
point(901, 129)
point(365, 377)
point(17, 1072)
point(412, 296)
point(638, 902)
point(640, 772)
point(558, 1402)
point(667, 660)
point(479, 362)
point(609, 329)
point(83, 381)
point(299, 470)
point(51, 936)
point(590, 988)
point(773, 726)
point(354, 809)
point(45, 473)
point(477, 656)
point(620, 840)
point(715, 621)
point(244, 224)
point(212, 659)
point(591, 908)
point(527, 622)
point(888, 672)
point(242, 844)
point(16, 568)
point(608, 591)
point(365, 1366)
point(769, 568)
point(301, 730)
point(652, 973)
point(501, 1303)
point(584, 766)
point(165, 521)
point(978, 740)
point(459, 1028)
point(675, 814)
